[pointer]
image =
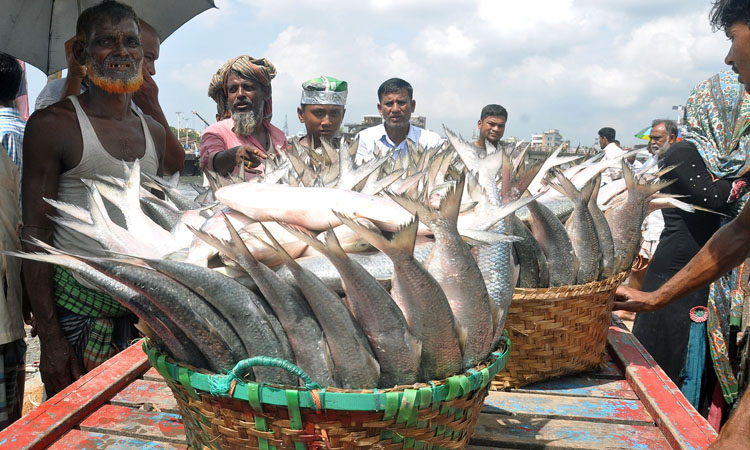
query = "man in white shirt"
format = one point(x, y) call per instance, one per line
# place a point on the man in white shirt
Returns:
point(611, 151)
point(395, 107)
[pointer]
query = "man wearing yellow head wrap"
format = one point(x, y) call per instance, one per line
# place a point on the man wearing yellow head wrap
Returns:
point(242, 88)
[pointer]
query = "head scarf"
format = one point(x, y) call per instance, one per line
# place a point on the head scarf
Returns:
point(718, 114)
point(260, 70)
point(324, 91)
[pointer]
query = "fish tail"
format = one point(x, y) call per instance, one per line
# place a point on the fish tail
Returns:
point(214, 242)
point(277, 248)
point(416, 207)
point(565, 186)
point(305, 236)
point(332, 243)
point(588, 190)
point(450, 206)
point(403, 240)
point(597, 181)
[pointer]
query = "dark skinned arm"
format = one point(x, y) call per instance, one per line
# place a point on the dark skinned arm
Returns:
point(226, 161)
point(147, 98)
point(735, 434)
point(42, 156)
point(726, 249)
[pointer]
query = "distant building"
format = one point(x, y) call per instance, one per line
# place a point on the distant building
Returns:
point(536, 140)
point(551, 139)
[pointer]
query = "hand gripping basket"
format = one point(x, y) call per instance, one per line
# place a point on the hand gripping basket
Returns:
point(435, 415)
point(557, 331)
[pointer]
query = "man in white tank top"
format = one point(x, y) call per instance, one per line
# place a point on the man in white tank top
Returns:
point(89, 135)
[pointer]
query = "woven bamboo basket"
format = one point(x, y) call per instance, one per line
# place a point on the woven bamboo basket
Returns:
point(557, 331)
point(435, 415)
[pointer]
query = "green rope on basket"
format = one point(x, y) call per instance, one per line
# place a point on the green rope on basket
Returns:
point(220, 385)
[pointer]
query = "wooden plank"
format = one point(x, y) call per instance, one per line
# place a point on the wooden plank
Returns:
point(572, 408)
point(532, 432)
point(582, 386)
point(65, 410)
point(84, 440)
point(153, 375)
point(678, 420)
point(611, 370)
point(148, 395)
point(146, 425)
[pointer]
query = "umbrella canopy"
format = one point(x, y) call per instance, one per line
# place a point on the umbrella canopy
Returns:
point(644, 134)
point(35, 31)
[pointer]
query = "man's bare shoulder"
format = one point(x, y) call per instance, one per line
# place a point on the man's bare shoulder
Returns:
point(58, 115)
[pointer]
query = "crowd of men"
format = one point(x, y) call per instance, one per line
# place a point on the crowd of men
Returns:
point(107, 111)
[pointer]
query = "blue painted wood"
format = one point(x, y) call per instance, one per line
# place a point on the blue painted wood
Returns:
point(558, 407)
point(582, 386)
point(83, 440)
point(146, 425)
point(494, 431)
point(152, 394)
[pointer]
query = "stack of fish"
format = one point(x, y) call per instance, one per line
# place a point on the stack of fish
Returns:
point(365, 275)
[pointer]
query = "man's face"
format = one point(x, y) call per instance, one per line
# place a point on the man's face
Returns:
point(113, 56)
point(491, 128)
point(244, 95)
point(660, 140)
point(321, 120)
point(151, 45)
point(603, 142)
point(739, 52)
point(396, 108)
point(245, 99)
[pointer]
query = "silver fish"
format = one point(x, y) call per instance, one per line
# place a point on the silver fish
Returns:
point(356, 366)
point(397, 349)
point(625, 219)
point(306, 337)
point(581, 229)
point(422, 300)
point(606, 244)
point(551, 235)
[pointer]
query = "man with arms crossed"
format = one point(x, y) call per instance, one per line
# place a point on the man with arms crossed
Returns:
point(84, 137)
point(730, 246)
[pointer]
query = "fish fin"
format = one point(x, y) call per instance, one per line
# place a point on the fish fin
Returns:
point(450, 206)
point(564, 185)
point(667, 169)
point(597, 182)
point(332, 243)
point(375, 238)
point(415, 207)
point(304, 236)
point(383, 183)
point(468, 206)
point(588, 190)
point(219, 244)
point(462, 335)
point(277, 247)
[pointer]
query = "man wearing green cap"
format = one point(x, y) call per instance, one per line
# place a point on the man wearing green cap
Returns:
point(322, 109)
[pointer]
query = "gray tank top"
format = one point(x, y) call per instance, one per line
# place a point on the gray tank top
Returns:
point(95, 162)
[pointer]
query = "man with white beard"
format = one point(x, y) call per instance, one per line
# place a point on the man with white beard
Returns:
point(86, 137)
point(243, 84)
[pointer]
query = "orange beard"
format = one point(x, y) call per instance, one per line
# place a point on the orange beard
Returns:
point(115, 86)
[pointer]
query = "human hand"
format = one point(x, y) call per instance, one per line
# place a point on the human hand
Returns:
point(147, 96)
point(75, 70)
point(251, 156)
point(58, 364)
point(628, 299)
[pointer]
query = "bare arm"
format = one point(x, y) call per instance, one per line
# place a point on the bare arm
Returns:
point(147, 98)
point(159, 136)
point(736, 432)
point(725, 250)
point(42, 166)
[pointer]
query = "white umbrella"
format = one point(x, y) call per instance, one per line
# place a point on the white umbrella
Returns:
point(35, 31)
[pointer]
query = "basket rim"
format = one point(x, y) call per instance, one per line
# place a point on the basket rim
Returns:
point(376, 400)
point(593, 286)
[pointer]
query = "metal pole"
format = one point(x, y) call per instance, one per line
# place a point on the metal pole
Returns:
point(179, 116)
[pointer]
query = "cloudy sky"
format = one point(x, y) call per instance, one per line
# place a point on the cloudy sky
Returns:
point(574, 65)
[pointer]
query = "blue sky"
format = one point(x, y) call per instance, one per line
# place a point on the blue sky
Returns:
point(574, 65)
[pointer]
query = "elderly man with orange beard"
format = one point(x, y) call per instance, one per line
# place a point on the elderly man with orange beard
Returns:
point(86, 137)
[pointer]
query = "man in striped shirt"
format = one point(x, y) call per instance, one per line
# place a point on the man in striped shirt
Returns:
point(12, 343)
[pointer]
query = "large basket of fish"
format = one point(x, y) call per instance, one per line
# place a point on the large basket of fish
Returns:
point(230, 412)
point(557, 331)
